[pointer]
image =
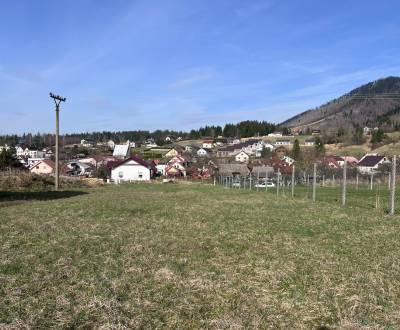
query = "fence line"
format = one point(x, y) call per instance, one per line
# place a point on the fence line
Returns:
point(348, 185)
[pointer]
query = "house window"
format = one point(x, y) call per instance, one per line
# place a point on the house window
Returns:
point(140, 175)
point(121, 174)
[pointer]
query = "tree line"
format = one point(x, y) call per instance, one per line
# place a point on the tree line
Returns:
point(246, 128)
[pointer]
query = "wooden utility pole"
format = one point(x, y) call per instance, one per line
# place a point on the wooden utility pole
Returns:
point(57, 100)
point(314, 182)
point(293, 170)
point(393, 186)
point(344, 183)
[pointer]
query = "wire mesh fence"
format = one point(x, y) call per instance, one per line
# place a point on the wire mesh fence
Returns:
point(346, 186)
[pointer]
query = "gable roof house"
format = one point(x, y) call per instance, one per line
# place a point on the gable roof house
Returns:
point(133, 169)
point(226, 152)
point(242, 157)
point(173, 152)
point(46, 167)
point(370, 163)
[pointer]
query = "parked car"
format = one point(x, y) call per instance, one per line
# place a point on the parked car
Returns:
point(269, 184)
point(236, 184)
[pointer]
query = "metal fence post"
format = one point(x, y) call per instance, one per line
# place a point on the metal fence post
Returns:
point(314, 182)
point(393, 186)
point(344, 183)
point(357, 181)
point(293, 169)
point(372, 180)
point(258, 180)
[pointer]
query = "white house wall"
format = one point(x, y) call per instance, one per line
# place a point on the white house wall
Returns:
point(130, 172)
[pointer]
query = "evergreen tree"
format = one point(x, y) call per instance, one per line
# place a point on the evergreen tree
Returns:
point(295, 153)
point(319, 146)
point(8, 160)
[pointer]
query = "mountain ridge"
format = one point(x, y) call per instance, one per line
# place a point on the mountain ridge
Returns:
point(362, 106)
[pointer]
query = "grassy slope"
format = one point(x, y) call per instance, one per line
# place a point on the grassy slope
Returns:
point(196, 256)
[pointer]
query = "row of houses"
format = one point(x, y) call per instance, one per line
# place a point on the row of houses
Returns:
point(368, 164)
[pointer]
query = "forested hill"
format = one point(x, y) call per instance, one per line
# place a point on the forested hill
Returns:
point(368, 105)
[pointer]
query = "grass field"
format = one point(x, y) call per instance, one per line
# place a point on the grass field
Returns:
point(197, 256)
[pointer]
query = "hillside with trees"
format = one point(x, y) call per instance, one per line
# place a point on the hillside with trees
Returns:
point(374, 104)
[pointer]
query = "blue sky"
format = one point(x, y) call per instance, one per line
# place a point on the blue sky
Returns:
point(181, 64)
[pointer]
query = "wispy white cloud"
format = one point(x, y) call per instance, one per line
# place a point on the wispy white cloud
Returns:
point(192, 76)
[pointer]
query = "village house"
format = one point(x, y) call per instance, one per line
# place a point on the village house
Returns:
point(36, 154)
point(269, 146)
point(242, 157)
point(370, 163)
point(132, 144)
point(87, 143)
point(5, 147)
point(111, 144)
point(309, 142)
point(208, 144)
point(275, 134)
point(132, 169)
point(233, 141)
point(330, 161)
point(226, 151)
point(173, 152)
point(283, 142)
point(191, 148)
point(316, 132)
point(43, 167)
point(220, 141)
point(203, 152)
point(21, 152)
point(161, 169)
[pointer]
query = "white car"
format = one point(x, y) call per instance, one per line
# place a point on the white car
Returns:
point(270, 184)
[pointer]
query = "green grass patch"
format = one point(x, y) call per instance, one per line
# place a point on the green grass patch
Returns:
point(198, 256)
